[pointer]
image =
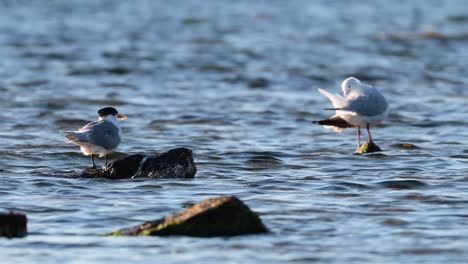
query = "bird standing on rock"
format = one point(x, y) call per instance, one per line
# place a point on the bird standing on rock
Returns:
point(100, 137)
point(360, 105)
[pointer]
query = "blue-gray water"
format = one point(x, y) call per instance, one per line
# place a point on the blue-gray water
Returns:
point(186, 73)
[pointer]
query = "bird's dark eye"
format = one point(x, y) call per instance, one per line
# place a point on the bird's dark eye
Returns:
point(349, 86)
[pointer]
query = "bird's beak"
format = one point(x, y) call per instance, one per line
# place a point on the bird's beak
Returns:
point(120, 116)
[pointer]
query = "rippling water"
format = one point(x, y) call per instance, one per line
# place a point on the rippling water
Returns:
point(237, 83)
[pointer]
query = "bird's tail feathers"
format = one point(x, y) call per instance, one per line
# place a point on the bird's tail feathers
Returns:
point(75, 137)
point(337, 100)
point(334, 121)
point(72, 138)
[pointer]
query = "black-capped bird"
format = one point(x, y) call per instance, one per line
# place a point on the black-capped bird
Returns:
point(100, 137)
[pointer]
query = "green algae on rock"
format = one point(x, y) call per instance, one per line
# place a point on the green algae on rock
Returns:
point(368, 147)
point(405, 146)
point(220, 216)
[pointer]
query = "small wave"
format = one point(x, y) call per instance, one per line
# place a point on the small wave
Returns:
point(430, 251)
point(354, 185)
point(264, 159)
point(428, 123)
point(428, 34)
point(31, 83)
point(117, 70)
point(341, 195)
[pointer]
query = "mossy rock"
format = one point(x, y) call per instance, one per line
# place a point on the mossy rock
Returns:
point(221, 216)
point(368, 147)
point(405, 146)
point(13, 225)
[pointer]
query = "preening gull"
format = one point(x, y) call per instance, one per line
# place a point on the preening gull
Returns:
point(360, 105)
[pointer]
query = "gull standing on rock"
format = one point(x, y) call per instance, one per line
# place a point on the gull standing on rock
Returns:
point(100, 137)
point(360, 105)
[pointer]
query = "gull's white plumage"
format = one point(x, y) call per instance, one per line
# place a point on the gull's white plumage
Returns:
point(360, 105)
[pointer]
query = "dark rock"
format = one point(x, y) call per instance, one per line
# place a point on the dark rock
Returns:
point(403, 184)
point(176, 163)
point(259, 83)
point(119, 169)
point(368, 148)
point(405, 146)
point(13, 225)
point(220, 216)
point(118, 70)
point(394, 222)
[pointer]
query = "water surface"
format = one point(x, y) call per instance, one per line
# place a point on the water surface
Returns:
point(237, 83)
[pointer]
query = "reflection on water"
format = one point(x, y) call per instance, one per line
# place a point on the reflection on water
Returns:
point(237, 83)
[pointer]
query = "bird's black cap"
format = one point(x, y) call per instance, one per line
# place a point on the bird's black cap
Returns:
point(107, 111)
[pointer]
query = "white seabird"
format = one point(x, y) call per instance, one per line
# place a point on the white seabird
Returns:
point(100, 137)
point(360, 105)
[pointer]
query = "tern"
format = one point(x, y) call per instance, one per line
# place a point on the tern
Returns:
point(100, 137)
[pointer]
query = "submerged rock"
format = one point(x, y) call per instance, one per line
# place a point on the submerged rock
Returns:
point(405, 146)
point(259, 83)
point(220, 216)
point(403, 184)
point(175, 163)
point(13, 225)
point(368, 148)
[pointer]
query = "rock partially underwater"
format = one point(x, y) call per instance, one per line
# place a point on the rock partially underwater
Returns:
point(13, 225)
point(368, 148)
point(220, 216)
point(175, 163)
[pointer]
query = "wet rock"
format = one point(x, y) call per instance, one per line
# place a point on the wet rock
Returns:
point(259, 83)
point(220, 216)
point(394, 222)
point(175, 163)
point(405, 146)
point(13, 225)
point(368, 148)
point(118, 71)
point(402, 184)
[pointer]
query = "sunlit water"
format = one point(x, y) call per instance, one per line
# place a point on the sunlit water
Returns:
point(236, 82)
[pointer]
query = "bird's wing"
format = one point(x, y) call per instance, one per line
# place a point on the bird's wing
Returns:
point(81, 136)
point(368, 103)
point(102, 133)
point(90, 125)
point(337, 100)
